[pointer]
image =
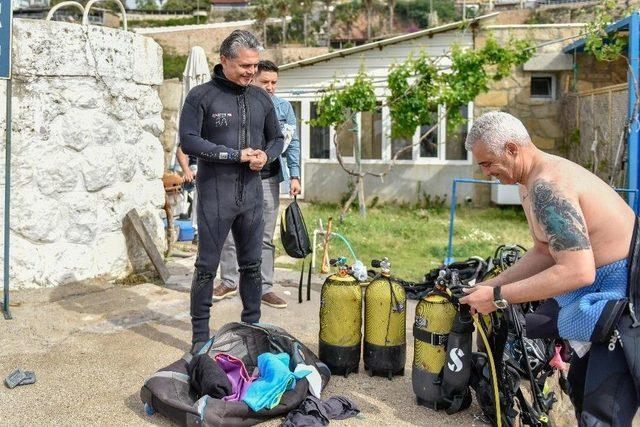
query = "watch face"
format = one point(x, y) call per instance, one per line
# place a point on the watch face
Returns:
point(501, 303)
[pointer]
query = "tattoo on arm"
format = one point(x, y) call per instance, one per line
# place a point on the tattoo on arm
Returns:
point(559, 218)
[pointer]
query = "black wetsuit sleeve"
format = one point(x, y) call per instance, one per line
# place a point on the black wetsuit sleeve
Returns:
point(194, 144)
point(273, 136)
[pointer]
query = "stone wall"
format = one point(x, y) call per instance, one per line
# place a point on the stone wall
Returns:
point(594, 74)
point(179, 40)
point(170, 94)
point(85, 150)
point(540, 116)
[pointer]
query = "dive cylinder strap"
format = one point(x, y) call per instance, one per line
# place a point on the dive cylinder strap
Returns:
point(430, 337)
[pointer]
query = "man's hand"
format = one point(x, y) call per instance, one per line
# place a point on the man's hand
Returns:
point(258, 160)
point(246, 154)
point(480, 299)
point(188, 175)
point(296, 188)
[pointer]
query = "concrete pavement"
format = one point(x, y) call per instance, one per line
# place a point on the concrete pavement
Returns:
point(92, 345)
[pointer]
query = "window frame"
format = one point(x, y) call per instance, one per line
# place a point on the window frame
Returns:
point(551, 76)
point(305, 134)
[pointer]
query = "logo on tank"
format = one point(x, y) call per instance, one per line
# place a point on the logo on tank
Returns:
point(455, 355)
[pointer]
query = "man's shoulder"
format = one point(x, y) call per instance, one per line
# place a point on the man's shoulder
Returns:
point(259, 94)
point(280, 101)
point(197, 93)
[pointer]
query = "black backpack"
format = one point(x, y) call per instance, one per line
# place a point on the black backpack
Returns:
point(295, 240)
point(293, 232)
point(168, 391)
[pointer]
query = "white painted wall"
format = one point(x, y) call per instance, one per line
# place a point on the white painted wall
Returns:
point(86, 121)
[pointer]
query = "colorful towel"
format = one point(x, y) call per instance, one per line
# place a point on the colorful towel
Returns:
point(275, 378)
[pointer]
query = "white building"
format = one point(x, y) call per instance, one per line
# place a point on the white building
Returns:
point(428, 168)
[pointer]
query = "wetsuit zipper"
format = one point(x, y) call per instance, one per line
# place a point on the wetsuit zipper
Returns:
point(242, 144)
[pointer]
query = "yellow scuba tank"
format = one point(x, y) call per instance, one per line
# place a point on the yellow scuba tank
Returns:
point(385, 319)
point(340, 321)
point(435, 316)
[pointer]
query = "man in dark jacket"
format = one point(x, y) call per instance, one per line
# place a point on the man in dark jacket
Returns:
point(233, 130)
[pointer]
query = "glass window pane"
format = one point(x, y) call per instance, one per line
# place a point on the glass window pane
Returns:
point(456, 136)
point(371, 139)
point(541, 87)
point(429, 144)
point(319, 138)
point(398, 144)
point(346, 138)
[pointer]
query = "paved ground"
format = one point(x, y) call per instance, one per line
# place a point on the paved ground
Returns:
point(93, 345)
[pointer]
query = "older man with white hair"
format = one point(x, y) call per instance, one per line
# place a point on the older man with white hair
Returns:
point(582, 233)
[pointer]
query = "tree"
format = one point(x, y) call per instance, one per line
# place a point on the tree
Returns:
point(261, 13)
point(283, 8)
point(418, 11)
point(305, 7)
point(369, 5)
point(416, 88)
point(188, 5)
point(347, 14)
point(146, 5)
point(391, 4)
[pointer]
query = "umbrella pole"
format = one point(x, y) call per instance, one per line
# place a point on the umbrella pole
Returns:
point(7, 190)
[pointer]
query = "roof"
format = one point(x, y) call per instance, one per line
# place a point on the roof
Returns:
point(385, 42)
point(622, 25)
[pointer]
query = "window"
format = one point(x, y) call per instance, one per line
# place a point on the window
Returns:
point(456, 136)
point(346, 138)
point(319, 139)
point(429, 144)
point(371, 135)
point(543, 86)
point(397, 145)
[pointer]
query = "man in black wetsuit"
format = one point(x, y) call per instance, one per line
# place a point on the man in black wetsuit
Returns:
point(232, 129)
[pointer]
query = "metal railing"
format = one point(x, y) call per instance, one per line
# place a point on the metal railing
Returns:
point(452, 210)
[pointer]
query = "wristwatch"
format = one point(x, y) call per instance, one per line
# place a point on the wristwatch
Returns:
point(295, 177)
point(498, 301)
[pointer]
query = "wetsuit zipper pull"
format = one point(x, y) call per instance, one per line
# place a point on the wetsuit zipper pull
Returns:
point(632, 313)
point(614, 339)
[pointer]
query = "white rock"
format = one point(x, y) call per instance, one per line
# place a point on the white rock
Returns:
point(111, 258)
point(132, 132)
point(36, 217)
point(154, 126)
point(68, 263)
point(60, 172)
point(26, 266)
point(99, 168)
point(81, 210)
point(147, 66)
point(149, 104)
point(150, 156)
point(83, 106)
point(126, 160)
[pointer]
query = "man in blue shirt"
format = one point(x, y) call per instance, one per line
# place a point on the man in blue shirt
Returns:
point(287, 169)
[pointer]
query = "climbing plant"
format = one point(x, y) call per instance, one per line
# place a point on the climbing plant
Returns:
point(597, 42)
point(417, 87)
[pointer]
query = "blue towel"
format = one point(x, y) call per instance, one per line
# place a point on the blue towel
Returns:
point(275, 378)
point(580, 309)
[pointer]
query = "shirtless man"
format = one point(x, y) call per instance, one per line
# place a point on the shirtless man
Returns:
point(582, 231)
